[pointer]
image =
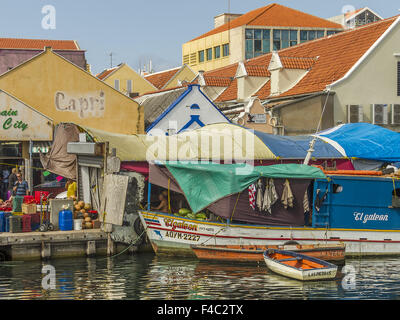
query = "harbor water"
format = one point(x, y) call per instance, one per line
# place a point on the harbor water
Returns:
point(146, 276)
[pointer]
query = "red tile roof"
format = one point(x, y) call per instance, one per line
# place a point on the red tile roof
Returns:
point(264, 92)
point(257, 71)
point(337, 54)
point(102, 75)
point(160, 79)
point(229, 93)
point(328, 59)
point(275, 15)
point(11, 43)
point(217, 81)
point(298, 62)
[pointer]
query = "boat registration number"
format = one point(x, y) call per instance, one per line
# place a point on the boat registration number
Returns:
point(182, 236)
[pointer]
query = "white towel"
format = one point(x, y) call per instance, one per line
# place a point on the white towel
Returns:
point(270, 196)
point(287, 195)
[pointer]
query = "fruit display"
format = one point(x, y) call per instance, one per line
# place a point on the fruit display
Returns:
point(83, 211)
point(187, 213)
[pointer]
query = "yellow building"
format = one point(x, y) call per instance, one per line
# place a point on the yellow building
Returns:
point(64, 92)
point(126, 80)
point(239, 37)
point(172, 78)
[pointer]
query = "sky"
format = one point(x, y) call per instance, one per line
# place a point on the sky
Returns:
point(136, 31)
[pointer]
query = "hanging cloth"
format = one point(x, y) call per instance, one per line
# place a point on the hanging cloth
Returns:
point(270, 196)
point(287, 195)
point(259, 200)
point(306, 204)
point(252, 196)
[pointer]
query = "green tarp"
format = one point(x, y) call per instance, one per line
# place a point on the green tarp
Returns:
point(203, 184)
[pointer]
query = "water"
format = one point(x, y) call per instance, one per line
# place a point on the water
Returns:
point(145, 276)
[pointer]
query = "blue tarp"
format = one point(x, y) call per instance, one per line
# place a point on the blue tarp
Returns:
point(365, 141)
point(296, 147)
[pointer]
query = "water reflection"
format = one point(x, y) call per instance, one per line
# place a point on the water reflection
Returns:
point(145, 276)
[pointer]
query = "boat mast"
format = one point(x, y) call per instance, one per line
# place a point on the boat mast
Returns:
point(314, 140)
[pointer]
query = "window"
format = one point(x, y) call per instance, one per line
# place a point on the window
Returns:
point(398, 78)
point(257, 42)
point(209, 54)
point(284, 38)
point(116, 84)
point(129, 86)
point(330, 32)
point(217, 52)
point(293, 37)
point(225, 50)
point(308, 35)
point(201, 56)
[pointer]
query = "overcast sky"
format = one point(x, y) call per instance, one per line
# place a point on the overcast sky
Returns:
point(139, 30)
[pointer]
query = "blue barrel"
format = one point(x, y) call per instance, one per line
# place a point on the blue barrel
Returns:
point(65, 220)
point(2, 222)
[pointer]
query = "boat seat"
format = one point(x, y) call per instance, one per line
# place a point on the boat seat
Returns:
point(290, 259)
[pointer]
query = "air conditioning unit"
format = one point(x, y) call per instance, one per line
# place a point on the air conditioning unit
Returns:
point(396, 114)
point(355, 113)
point(380, 113)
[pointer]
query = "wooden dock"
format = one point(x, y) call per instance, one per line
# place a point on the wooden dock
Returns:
point(56, 244)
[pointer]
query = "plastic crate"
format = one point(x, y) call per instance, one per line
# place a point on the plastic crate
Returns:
point(26, 223)
point(7, 221)
point(15, 224)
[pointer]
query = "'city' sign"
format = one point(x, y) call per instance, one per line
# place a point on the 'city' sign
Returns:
point(9, 121)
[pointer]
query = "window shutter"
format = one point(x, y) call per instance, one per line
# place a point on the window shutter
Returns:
point(129, 86)
point(116, 84)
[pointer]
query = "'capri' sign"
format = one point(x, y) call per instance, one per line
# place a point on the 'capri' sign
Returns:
point(9, 120)
point(86, 106)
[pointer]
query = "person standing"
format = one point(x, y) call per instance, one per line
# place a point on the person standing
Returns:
point(21, 187)
point(12, 179)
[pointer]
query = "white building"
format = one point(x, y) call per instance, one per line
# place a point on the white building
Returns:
point(192, 109)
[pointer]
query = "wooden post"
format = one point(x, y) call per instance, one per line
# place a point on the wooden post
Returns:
point(91, 248)
point(46, 250)
point(110, 245)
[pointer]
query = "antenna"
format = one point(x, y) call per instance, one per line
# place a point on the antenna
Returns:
point(111, 57)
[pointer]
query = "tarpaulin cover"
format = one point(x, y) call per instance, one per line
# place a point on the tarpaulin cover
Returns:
point(58, 160)
point(205, 183)
point(296, 147)
point(236, 206)
point(364, 141)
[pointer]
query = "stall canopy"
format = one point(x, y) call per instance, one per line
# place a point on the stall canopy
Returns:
point(205, 183)
point(220, 141)
point(364, 141)
point(296, 147)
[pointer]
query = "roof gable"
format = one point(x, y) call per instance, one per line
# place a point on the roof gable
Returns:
point(191, 89)
point(160, 79)
point(274, 15)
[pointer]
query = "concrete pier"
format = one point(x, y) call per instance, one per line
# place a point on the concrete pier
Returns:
point(56, 244)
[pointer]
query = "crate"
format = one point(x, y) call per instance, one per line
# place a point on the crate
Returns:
point(26, 223)
point(29, 208)
point(7, 221)
point(15, 224)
